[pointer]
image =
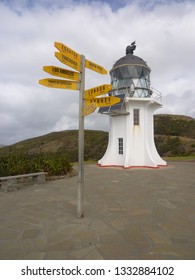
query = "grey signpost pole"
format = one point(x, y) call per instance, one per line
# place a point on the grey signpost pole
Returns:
point(80, 204)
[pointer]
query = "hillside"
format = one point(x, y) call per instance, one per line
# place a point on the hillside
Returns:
point(174, 136)
point(174, 125)
point(63, 142)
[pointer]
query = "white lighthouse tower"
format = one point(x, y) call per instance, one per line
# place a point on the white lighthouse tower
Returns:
point(131, 135)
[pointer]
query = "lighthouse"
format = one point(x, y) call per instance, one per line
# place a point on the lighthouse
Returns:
point(131, 134)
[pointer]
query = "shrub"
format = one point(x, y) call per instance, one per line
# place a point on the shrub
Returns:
point(15, 164)
point(169, 146)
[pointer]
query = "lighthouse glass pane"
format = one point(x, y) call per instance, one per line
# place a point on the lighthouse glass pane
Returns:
point(142, 74)
point(135, 71)
point(114, 73)
point(142, 83)
point(138, 93)
point(139, 70)
point(120, 74)
point(146, 72)
point(128, 83)
point(115, 84)
point(131, 74)
point(125, 72)
point(135, 81)
point(139, 84)
point(147, 83)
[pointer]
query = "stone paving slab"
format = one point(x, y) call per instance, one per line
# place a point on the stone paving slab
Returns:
point(129, 214)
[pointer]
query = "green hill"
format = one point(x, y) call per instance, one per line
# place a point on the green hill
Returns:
point(174, 125)
point(63, 142)
point(174, 136)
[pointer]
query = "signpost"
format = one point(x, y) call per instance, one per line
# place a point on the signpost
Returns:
point(95, 67)
point(94, 103)
point(76, 81)
point(96, 91)
point(89, 109)
point(62, 73)
point(68, 60)
point(68, 51)
point(104, 101)
point(55, 83)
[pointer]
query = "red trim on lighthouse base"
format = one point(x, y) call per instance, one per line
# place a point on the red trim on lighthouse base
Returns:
point(132, 166)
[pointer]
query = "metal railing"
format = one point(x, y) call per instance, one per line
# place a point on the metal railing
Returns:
point(151, 93)
point(156, 95)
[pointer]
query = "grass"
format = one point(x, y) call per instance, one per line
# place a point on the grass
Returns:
point(85, 162)
point(183, 158)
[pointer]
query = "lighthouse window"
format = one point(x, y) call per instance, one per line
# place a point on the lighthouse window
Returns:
point(120, 146)
point(136, 116)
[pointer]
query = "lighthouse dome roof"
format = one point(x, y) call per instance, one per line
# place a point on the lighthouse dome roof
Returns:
point(130, 59)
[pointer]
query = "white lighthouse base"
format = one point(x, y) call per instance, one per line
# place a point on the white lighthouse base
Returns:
point(130, 144)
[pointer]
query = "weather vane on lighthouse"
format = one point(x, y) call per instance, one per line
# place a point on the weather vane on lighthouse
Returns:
point(131, 48)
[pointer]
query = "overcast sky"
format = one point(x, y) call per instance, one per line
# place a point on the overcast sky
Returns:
point(101, 30)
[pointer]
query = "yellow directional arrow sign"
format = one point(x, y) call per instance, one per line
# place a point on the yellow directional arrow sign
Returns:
point(61, 72)
point(89, 109)
point(68, 60)
point(55, 83)
point(70, 56)
point(68, 51)
point(95, 67)
point(103, 101)
point(96, 91)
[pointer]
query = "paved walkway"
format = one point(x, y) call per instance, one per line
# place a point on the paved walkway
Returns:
point(129, 214)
